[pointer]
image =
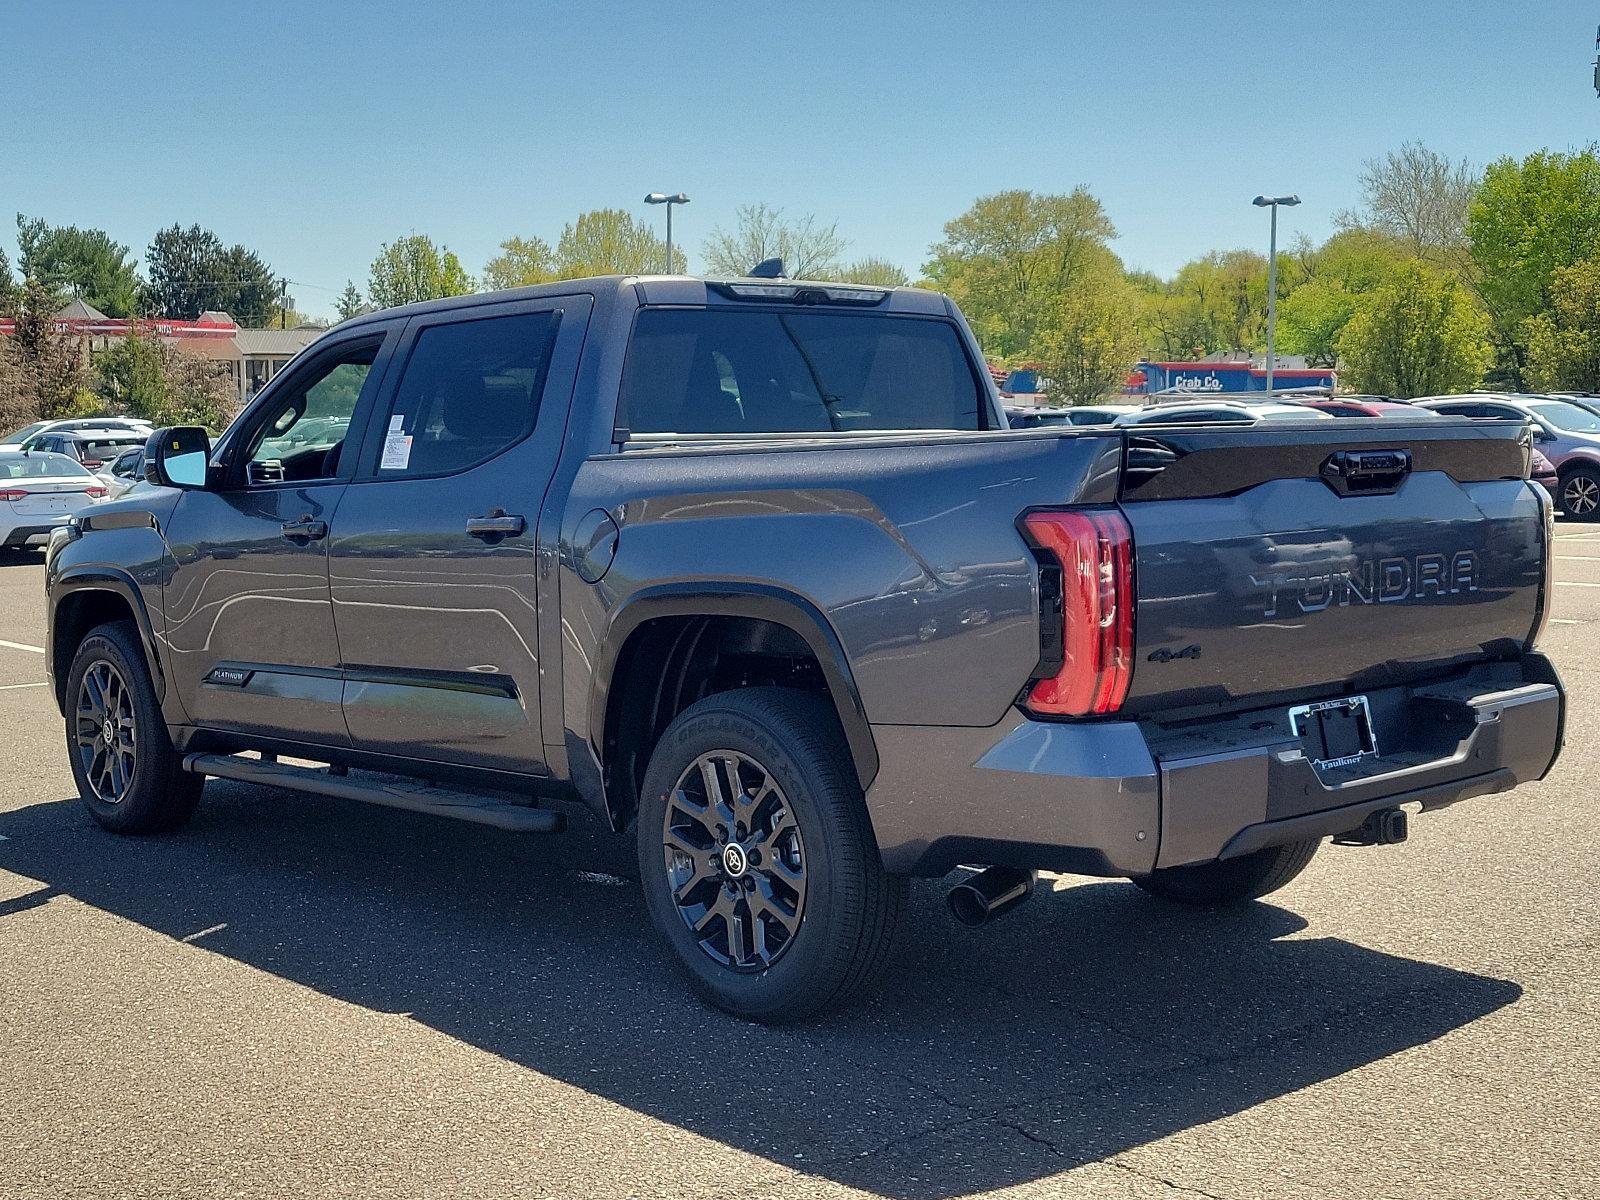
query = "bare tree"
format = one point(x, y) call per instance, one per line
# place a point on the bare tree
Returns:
point(1418, 196)
point(809, 249)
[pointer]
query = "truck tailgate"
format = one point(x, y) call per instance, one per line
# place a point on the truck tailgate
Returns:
point(1305, 558)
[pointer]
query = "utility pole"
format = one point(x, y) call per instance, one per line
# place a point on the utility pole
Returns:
point(283, 303)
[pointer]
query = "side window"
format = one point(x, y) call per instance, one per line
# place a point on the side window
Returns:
point(300, 434)
point(469, 390)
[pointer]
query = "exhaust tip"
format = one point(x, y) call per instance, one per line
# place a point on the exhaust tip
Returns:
point(983, 897)
point(967, 905)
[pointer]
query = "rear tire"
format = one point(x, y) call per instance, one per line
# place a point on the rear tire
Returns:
point(1579, 494)
point(1230, 880)
point(769, 851)
point(128, 774)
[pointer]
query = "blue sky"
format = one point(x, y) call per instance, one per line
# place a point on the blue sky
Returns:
point(315, 132)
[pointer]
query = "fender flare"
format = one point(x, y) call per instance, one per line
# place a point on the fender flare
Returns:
point(98, 577)
point(730, 598)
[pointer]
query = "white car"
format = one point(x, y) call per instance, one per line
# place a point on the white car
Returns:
point(1221, 412)
point(13, 441)
point(38, 492)
point(123, 472)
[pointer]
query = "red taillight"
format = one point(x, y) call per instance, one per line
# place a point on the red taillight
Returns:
point(14, 494)
point(1094, 548)
point(96, 491)
point(94, 464)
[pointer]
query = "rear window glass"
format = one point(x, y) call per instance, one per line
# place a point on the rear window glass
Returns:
point(760, 371)
point(38, 466)
point(107, 447)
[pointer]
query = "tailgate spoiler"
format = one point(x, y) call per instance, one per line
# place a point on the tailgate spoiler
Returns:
point(1196, 462)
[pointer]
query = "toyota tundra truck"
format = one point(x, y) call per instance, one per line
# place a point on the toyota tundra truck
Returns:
point(753, 570)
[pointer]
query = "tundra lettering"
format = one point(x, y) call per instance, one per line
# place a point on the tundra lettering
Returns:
point(1384, 582)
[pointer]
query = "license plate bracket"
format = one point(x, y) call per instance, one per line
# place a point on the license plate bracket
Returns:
point(1335, 733)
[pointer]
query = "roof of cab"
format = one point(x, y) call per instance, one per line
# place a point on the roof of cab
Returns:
point(651, 289)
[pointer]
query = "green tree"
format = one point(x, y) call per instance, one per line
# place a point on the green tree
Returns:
point(19, 403)
point(350, 302)
point(250, 291)
point(878, 272)
point(522, 262)
point(1332, 277)
point(1564, 343)
point(1530, 219)
point(49, 367)
point(413, 268)
point(79, 262)
point(809, 249)
point(1417, 334)
point(1011, 255)
point(1091, 342)
point(1312, 319)
point(608, 241)
point(191, 272)
point(1216, 302)
point(8, 287)
point(147, 377)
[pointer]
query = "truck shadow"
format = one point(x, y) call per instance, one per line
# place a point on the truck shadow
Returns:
point(1090, 1021)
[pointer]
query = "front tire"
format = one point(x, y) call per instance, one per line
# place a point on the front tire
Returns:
point(1579, 494)
point(128, 774)
point(1230, 880)
point(757, 858)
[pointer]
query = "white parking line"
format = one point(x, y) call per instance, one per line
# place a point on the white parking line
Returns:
point(21, 646)
point(1574, 583)
point(1578, 558)
point(11, 687)
point(1564, 621)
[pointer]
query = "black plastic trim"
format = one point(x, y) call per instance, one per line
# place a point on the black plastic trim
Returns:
point(726, 598)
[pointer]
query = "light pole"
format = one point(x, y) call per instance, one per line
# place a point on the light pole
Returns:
point(1272, 202)
point(669, 201)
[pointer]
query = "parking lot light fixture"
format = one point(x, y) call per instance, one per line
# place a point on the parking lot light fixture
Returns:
point(669, 201)
point(1272, 202)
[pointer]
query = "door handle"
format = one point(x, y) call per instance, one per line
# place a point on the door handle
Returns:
point(306, 529)
point(496, 525)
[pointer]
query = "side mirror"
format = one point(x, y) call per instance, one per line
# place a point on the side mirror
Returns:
point(178, 457)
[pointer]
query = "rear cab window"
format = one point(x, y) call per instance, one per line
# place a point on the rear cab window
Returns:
point(763, 370)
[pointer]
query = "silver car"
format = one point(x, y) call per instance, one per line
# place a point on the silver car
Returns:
point(38, 492)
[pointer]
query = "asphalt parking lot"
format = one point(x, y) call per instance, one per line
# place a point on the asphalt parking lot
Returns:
point(298, 996)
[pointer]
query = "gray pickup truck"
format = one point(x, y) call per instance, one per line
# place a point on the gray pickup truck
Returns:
point(754, 570)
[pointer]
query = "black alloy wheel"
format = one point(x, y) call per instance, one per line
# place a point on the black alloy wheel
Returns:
point(106, 732)
point(735, 860)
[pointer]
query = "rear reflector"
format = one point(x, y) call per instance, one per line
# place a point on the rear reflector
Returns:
point(1091, 660)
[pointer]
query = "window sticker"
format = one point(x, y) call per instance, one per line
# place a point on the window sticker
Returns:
point(396, 448)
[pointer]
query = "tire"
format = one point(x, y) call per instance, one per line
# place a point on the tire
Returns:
point(1230, 880)
point(1579, 494)
point(130, 778)
point(770, 949)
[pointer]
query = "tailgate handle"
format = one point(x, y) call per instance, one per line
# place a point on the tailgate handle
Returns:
point(1366, 472)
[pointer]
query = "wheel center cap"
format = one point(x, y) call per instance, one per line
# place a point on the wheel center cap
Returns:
point(734, 860)
point(108, 731)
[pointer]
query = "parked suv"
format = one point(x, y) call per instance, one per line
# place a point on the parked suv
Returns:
point(753, 571)
point(1565, 433)
point(93, 448)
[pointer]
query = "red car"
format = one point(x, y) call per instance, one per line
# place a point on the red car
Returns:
point(1366, 406)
